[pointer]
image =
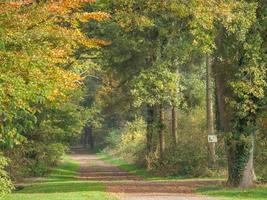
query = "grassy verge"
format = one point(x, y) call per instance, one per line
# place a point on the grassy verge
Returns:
point(124, 166)
point(144, 173)
point(259, 193)
point(62, 185)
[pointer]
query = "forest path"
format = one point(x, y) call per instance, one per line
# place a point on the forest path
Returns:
point(128, 186)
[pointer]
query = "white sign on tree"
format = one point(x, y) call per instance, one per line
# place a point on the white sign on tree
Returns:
point(212, 138)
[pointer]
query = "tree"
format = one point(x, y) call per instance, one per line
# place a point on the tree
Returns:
point(42, 68)
point(37, 58)
point(237, 114)
point(210, 111)
point(152, 35)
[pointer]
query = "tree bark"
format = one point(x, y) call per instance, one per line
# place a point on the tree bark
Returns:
point(91, 137)
point(248, 173)
point(240, 158)
point(210, 112)
point(240, 163)
point(174, 125)
point(87, 138)
point(149, 135)
point(161, 132)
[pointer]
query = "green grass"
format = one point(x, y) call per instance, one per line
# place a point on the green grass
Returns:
point(259, 193)
point(125, 166)
point(66, 171)
point(62, 185)
point(146, 174)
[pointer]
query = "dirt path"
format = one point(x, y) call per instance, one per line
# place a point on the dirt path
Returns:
point(128, 186)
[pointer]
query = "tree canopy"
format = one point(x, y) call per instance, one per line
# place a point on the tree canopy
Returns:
point(151, 78)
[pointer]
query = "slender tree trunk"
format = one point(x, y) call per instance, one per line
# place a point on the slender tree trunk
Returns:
point(174, 125)
point(91, 137)
point(210, 112)
point(82, 139)
point(88, 137)
point(161, 132)
point(174, 111)
point(85, 138)
point(149, 135)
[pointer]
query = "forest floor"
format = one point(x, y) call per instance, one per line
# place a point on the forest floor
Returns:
point(129, 186)
point(84, 176)
point(186, 188)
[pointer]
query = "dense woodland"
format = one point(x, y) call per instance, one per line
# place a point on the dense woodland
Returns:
point(144, 80)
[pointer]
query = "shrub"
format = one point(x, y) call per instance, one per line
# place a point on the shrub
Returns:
point(113, 138)
point(186, 159)
point(42, 157)
point(189, 156)
point(130, 142)
point(54, 153)
point(34, 159)
point(5, 182)
point(261, 150)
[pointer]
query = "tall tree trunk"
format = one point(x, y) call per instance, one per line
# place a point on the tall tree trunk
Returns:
point(149, 135)
point(174, 125)
point(85, 137)
point(91, 137)
point(210, 112)
point(161, 132)
point(88, 138)
point(239, 152)
point(249, 174)
point(240, 163)
point(174, 111)
point(82, 139)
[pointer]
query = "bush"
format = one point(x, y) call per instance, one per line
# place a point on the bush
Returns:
point(41, 157)
point(129, 143)
point(113, 139)
point(34, 159)
point(5, 182)
point(54, 152)
point(186, 159)
point(261, 149)
point(261, 160)
point(190, 156)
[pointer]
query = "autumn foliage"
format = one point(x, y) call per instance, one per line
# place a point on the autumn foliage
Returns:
point(39, 66)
